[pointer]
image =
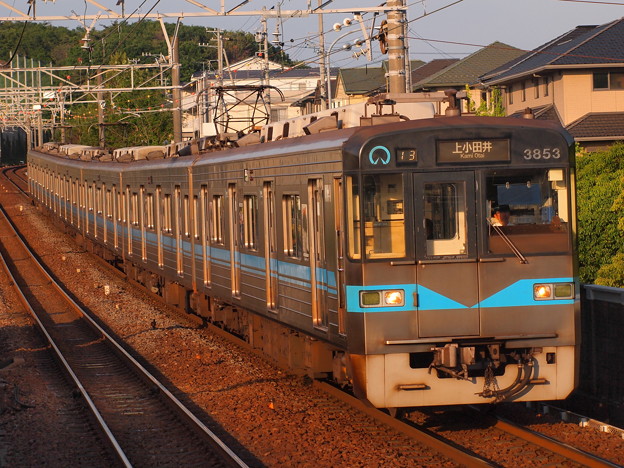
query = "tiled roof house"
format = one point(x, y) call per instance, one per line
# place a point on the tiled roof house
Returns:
point(468, 70)
point(577, 78)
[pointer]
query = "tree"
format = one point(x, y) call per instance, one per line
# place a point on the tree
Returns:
point(600, 211)
point(495, 108)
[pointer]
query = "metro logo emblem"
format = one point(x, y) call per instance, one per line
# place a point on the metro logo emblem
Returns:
point(379, 154)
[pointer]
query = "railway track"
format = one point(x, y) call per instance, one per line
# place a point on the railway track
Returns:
point(472, 437)
point(142, 422)
point(474, 451)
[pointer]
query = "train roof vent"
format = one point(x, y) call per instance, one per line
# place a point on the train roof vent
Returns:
point(321, 125)
point(249, 139)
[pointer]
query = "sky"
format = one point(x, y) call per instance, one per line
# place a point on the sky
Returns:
point(437, 28)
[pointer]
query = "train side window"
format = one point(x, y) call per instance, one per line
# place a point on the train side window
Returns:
point(109, 204)
point(295, 224)
point(383, 215)
point(123, 210)
point(167, 213)
point(354, 224)
point(134, 214)
point(99, 201)
point(90, 197)
point(530, 207)
point(195, 217)
point(250, 224)
point(187, 216)
point(445, 218)
point(149, 210)
point(216, 227)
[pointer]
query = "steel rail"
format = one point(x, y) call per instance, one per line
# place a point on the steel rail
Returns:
point(551, 444)
point(438, 444)
point(175, 403)
point(103, 427)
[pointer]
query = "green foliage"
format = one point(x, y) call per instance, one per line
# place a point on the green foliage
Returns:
point(600, 179)
point(134, 118)
point(470, 104)
point(496, 107)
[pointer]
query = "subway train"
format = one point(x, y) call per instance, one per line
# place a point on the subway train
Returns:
point(419, 260)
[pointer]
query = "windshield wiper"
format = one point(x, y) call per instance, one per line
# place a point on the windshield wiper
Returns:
point(508, 241)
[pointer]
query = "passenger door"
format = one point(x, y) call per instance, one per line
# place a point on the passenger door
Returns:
point(318, 266)
point(270, 246)
point(446, 253)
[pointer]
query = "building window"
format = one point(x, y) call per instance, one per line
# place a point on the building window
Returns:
point(601, 80)
point(536, 88)
point(546, 83)
point(608, 80)
point(511, 89)
point(523, 91)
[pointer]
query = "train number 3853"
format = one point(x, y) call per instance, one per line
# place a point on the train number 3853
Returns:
point(542, 153)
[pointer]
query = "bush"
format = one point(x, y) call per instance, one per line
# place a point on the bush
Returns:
point(600, 179)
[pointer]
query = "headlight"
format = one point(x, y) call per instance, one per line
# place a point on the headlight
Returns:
point(544, 292)
point(387, 298)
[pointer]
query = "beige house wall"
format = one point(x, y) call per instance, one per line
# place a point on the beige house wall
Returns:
point(571, 92)
point(582, 99)
point(532, 97)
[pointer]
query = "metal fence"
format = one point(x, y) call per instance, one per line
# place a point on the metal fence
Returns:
point(602, 348)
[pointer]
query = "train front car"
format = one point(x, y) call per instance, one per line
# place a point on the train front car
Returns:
point(461, 279)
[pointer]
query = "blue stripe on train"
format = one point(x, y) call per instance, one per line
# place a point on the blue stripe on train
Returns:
point(518, 294)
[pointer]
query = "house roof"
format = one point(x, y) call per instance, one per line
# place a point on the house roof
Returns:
point(547, 112)
point(598, 126)
point(362, 80)
point(292, 73)
point(414, 64)
point(429, 69)
point(468, 70)
point(581, 47)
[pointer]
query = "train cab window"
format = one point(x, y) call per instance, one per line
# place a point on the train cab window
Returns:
point(530, 208)
point(354, 223)
point(250, 223)
point(445, 219)
point(383, 216)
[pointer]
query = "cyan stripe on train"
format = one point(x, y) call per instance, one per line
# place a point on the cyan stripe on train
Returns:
point(518, 294)
point(288, 272)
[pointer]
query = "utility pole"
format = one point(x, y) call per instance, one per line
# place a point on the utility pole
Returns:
point(322, 70)
point(264, 49)
point(396, 47)
point(100, 109)
point(408, 63)
point(176, 92)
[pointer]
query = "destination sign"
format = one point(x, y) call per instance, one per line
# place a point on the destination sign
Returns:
point(473, 151)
